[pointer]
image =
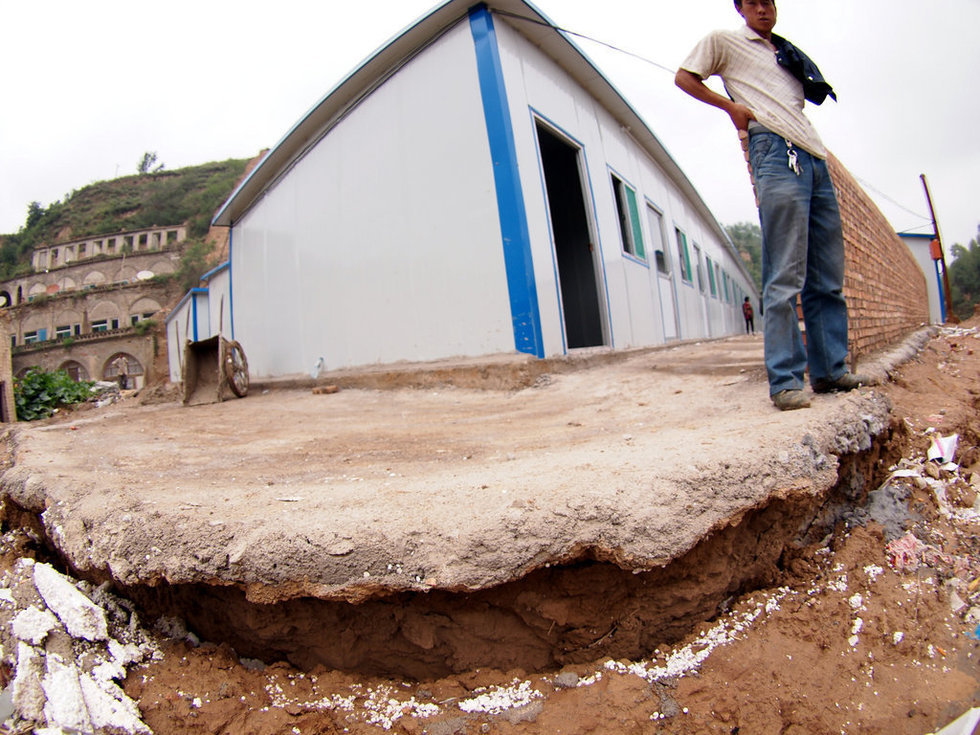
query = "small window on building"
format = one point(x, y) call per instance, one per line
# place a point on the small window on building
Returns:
point(711, 278)
point(82, 249)
point(728, 297)
point(115, 324)
point(718, 275)
point(30, 338)
point(629, 218)
point(656, 221)
point(683, 257)
point(62, 331)
point(144, 238)
point(13, 340)
point(111, 245)
point(54, 256)
point(700, 267)
point(78, 329)
point(156, 241)
point(171, 236)
point(128, 244)
point(102, 325)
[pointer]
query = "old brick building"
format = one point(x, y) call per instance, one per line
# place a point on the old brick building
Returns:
point(90, 305)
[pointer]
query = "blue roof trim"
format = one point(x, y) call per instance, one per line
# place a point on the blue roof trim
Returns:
point(386, 61)
point(525, 314)
point(223, 216)
point(214, 271)
point(916, 235)
point(180, 304)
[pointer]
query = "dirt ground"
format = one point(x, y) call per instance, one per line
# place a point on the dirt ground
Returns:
point(867, 630)
point(289, 494)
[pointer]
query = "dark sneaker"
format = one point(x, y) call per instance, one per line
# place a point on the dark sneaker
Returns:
point(790, 400)
point(846, 382)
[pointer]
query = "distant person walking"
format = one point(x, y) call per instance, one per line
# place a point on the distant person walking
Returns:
point(749, 315)
point(768, 79)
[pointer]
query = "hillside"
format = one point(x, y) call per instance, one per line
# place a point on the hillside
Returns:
point(189, 195)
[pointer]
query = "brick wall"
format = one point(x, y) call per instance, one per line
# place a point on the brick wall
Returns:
point(884, 286)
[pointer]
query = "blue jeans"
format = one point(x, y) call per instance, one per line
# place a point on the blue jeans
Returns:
point(802, 253)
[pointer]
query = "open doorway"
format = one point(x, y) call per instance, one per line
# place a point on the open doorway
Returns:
point(574, 248)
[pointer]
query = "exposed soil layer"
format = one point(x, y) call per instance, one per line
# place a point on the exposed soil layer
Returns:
point(787, 660)
point(365, 494)
point(567, 614)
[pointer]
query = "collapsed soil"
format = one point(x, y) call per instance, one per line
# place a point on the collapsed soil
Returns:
point(834, 639)
point(422, 532)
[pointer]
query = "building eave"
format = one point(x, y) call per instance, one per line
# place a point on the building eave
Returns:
point(180, 304)
point(386, 61)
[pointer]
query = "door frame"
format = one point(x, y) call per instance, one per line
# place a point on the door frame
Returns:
point(539, 122)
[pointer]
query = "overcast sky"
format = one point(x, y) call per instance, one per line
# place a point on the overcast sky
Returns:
point(87, 87)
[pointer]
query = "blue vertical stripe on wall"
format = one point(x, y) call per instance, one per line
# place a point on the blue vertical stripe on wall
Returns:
point(510, 197)
point(194, 313)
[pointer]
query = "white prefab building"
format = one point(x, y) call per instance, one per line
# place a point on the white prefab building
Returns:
point(475, 187)
point(922, 250)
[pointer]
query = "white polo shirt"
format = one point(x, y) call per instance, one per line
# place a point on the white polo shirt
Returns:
point(747, 64)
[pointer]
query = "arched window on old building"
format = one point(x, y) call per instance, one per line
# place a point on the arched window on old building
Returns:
point(124, 369)
point(142, 309)
point(94, 278)
point(76, 371)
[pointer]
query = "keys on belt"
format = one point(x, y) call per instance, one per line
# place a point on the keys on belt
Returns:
point(794, 161)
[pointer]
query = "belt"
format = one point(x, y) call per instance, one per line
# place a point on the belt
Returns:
point(756, 128)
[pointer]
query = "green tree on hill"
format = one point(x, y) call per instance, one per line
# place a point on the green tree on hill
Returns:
point(188, 195)
point(964, 278)
point(747, 238)
point(35, 211)
point(146, 164)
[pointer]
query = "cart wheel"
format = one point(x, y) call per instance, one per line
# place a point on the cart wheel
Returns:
point(236, 369)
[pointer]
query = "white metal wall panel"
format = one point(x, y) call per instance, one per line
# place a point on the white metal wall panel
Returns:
point(919, 247)
point(176, 336)
point(537, 85)
point(189, 321)
point(203, 316)
point(383, 243)
point(219, 305)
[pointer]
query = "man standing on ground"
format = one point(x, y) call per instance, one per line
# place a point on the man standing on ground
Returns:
point(749, 315)
point(768, 80)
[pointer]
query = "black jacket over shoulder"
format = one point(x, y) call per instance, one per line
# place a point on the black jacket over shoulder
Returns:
point(815, 89)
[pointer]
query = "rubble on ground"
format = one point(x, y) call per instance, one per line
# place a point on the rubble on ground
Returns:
point(68, 645)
